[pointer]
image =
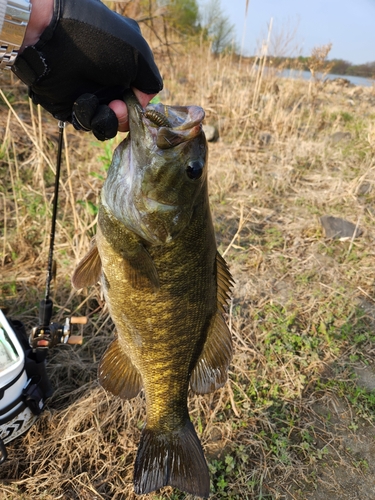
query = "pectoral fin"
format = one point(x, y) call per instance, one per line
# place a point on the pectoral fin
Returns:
point(140, 269)
point(211, 370)
point(88, 271)
point(117, 374)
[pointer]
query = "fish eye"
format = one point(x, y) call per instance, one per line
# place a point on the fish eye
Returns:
point(194, 170)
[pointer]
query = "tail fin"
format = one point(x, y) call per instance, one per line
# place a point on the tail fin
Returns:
point(174, 459)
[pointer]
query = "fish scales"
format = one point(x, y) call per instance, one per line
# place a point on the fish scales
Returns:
point(186, 285)
point(165, 286)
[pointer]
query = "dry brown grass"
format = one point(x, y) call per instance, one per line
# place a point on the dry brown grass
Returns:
point(302, 314)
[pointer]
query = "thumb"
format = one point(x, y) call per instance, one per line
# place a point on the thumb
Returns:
point(121, 111)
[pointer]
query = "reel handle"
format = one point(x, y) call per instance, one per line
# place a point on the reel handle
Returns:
point(75, 340)
point(78, 320)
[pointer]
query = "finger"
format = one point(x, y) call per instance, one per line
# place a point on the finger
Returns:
point(143, 98)
point(84, 109)
point(121, 111)
point(104, 123)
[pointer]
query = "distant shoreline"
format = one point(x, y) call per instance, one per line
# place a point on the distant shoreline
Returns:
point(306, 75)
point(340, 67)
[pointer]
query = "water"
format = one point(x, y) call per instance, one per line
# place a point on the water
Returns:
point(306, 75)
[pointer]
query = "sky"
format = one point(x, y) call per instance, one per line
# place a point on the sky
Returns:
point(348, 24)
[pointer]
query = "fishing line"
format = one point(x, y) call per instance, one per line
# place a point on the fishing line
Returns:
point(45, 311)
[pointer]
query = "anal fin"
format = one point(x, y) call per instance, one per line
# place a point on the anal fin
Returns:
point(117, 374)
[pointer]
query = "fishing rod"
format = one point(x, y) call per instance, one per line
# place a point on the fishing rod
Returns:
point(47, 334)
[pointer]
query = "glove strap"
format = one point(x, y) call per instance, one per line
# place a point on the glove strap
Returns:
point(12, 34)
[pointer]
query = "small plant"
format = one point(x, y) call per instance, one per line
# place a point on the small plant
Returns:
point(106, 156)
point(317, 62)
point(91, 207)
point(225, 473)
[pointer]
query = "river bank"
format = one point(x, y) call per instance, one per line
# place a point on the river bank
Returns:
point(306, 75)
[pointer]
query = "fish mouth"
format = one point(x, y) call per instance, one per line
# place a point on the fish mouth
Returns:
point(178, 118)
point(168, 125)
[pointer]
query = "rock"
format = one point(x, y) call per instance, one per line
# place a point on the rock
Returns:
point(340, 136)
point(336, 228)
point(364, 188)
point(342, 82)
point(365, 376)
point(211, 133)
point(265, 138)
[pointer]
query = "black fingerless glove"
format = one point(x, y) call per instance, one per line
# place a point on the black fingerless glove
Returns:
point(87, 49)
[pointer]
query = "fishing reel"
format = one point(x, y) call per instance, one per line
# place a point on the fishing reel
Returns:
point(24, 382)
point(48, 334)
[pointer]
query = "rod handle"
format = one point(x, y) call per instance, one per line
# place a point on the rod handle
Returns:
point(45, 312)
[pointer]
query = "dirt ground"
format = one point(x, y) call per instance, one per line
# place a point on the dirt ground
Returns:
point(336, 478)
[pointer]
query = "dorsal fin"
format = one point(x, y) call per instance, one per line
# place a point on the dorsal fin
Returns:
point(225, 282)
point(211, 370)
point(88, 270)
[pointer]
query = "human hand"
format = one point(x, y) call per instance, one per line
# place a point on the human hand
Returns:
point(121, 111)
point(89, 49)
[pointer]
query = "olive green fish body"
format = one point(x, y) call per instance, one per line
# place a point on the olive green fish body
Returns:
point(165, 286)
point(164, 331)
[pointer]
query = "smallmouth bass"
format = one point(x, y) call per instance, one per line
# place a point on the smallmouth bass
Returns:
point(166, 287)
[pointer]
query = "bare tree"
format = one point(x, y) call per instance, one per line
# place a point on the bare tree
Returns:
point(217, 27)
